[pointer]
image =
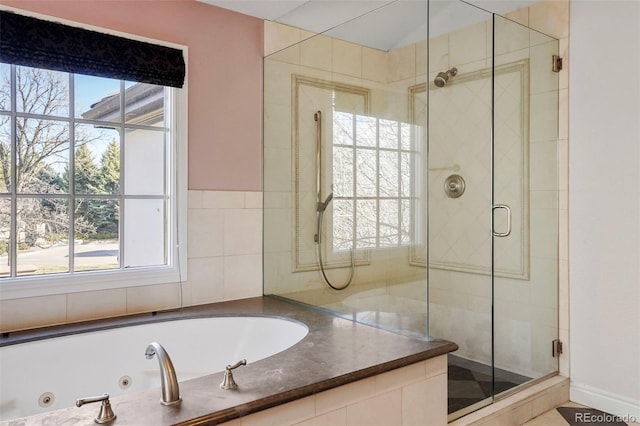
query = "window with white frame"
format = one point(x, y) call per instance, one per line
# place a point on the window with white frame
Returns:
point(84, 178)
point(89, 179)
point(376, 167)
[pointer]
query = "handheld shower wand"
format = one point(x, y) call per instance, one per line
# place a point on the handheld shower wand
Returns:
point(322, 206)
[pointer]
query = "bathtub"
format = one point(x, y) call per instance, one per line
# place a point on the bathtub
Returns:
point(49, 374)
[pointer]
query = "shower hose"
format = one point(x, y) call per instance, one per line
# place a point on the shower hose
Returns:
point(318, 239)
point(321, 206)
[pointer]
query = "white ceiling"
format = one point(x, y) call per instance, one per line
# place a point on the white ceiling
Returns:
point(381, 24)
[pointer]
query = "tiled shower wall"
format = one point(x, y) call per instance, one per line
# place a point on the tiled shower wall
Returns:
point(528, 312)
point(552, 17)
point(526, 317)
point(524, 308)
point(387, 76)
point(224, 263)
point(528, 307)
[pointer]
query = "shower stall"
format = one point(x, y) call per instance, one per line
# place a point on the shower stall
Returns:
point(410, 183)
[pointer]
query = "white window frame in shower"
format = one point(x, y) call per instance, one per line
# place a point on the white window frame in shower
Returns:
point(174, 267)
point(405, 198)
point(301, 209)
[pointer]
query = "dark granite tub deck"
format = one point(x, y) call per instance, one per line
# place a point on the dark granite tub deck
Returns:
point(335, 352)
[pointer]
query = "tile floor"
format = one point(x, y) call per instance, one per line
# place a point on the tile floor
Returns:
point(470, 382)
point(554, 418)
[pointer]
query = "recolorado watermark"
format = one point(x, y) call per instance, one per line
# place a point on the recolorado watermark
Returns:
point(588, 417)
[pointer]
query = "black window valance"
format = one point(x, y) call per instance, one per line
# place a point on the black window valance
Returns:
point(37, 43)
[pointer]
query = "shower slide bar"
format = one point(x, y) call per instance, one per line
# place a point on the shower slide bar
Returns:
point(321, 207)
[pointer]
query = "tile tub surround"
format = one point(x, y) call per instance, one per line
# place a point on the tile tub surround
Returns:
point(335, 353)
point(224, 262)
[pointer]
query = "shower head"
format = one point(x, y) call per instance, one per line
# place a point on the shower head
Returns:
point(443, 77)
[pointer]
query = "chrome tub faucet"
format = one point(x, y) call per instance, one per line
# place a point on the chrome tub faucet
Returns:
point(170, 389)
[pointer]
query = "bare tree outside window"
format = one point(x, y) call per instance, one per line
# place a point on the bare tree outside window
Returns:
point(375, 167)
point(36, 140)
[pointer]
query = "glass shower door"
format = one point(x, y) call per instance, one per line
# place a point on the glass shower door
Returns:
point(493, 203)
point(460, 198)
point(525, 187)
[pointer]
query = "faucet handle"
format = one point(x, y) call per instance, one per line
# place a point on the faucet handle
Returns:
point(105, 414)
point(228, 382)
point(236, 365)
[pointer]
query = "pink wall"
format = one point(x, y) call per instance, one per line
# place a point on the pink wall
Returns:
point(224, 73)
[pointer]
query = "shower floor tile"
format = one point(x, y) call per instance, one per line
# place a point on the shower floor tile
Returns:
point(470, 382)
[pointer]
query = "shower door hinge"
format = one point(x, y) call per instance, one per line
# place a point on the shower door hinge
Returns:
point(556, 64)
point(556, 348)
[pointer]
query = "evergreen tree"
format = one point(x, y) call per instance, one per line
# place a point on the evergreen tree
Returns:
point(87, 181)
point(110, 181)
point(87, 174)
point(110, 168)
point(51, 181)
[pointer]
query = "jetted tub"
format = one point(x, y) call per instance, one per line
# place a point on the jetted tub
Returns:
point(48, 374)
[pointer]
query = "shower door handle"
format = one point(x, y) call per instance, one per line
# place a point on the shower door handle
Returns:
point(508, 209)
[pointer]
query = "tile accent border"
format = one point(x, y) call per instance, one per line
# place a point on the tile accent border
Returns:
point(297, 81)
point(417, 254)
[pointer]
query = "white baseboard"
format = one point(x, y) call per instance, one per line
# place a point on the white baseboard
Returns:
point(626, 408)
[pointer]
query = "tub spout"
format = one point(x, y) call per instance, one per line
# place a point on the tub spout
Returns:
point(170, 390)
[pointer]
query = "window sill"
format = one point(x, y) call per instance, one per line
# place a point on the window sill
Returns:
point(35, 286)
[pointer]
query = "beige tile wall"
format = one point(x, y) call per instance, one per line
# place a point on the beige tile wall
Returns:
point(224, 260)
point(225, 246)
point(524, 304)
point(526, 311)
point(412, 395)
point(387, 75)
point(552, 17)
